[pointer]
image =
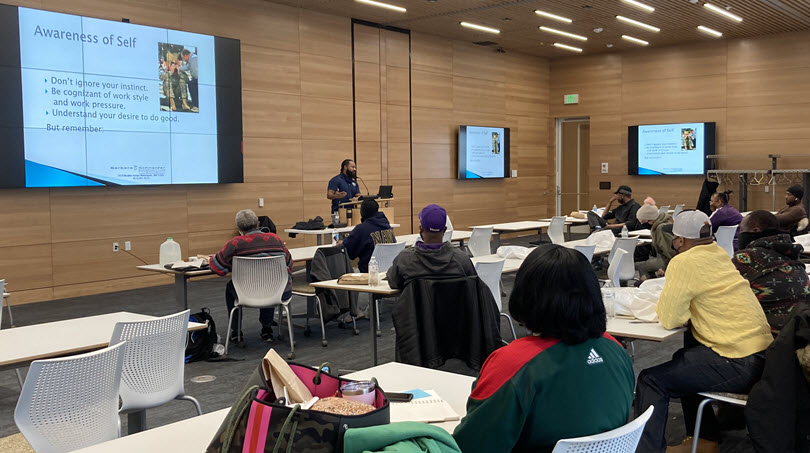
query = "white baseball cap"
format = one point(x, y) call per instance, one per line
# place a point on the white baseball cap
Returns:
point(688, 224)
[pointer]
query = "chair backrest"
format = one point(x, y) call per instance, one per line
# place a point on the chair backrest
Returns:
point(664, 210)
point(2, 292)
point(628, 267)
point(259, 281)
point(448, 233)
point(623, 439)
point(613, 272)
point(586, 250)
point(72, 402)
point(555, 230)
point(479, 241)
point(385, 254)
point(153, 363)
point(490, 274)
point(678, 209)
point(725, 238)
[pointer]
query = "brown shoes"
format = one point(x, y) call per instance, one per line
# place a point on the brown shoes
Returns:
point(704, 446)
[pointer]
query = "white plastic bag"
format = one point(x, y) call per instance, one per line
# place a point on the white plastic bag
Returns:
point(514, 251)
point(601, 239)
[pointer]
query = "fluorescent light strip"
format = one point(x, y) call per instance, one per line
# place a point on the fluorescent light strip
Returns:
point(638, 24)
point(480, 27)
point(553, 16)
point(563, 33)
point(635, 40)
point(640, 5)
point(722, 11)
point(709, 31)
point(563, 46)
point(383, 5)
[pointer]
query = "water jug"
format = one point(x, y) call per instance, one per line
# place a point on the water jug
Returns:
point(170, 252)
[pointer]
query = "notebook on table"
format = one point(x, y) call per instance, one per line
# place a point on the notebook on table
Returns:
point(426, 409)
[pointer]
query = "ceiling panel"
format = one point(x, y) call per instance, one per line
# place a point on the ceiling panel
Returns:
point(677, 19)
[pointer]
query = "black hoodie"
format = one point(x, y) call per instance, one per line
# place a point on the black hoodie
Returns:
point(361, 241)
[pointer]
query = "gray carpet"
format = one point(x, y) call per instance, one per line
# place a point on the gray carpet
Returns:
point(345, 351)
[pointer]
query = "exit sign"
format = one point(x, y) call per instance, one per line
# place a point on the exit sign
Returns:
point(570, 99)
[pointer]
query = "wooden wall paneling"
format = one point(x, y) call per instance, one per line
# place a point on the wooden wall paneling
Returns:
point(165, 14)
point(478, 95)
point(431, 89)
point(470, 60)
point(603, 96)
point(108, 286)
point(367, 121)
point(93, 261)
point(573, 71)
point(211, 242)
point(272, 159)
point(399, 162)
point(606, 129)
point(675, 62)
point(25, 267)
point(433, 125)
point(316, 204)
point(214, 208)
point(674, 94)
point(323, 158)
point(107, 212)
point(324, 34)
point(773, 87)
point(778, 122)
point(765, 53)
point(527, 71)
point(327, 119)
point(402, 205)
point(271, 70)
point(326, 77)
point(31, 296)
point(366, 44)
point(397, 49)
point(435, 161)
point(397, 86)
point(283, 120)
point(368, 162)
point(26, 3)
point(431, 54)
point(525, 100)
point(398, 124)
point(26, 217)
point(366, 82)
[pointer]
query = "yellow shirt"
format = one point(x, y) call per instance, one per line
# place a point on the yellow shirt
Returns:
point(703, 285)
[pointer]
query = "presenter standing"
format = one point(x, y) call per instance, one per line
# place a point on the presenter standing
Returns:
point(343, 187)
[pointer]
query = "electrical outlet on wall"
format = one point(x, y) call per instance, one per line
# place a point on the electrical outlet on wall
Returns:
point(514, 173)
point(127, 246)
point(115, 246)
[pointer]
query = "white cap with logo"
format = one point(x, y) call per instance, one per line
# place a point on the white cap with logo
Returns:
point(688, 224)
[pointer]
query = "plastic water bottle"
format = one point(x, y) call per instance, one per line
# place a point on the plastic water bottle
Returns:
point(624, 231)
point(170, 252)
point(609, 299)
point(373, 272)
point(595, 208)
point(335, 237)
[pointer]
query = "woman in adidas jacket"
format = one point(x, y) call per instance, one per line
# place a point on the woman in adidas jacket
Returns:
point(568, 379)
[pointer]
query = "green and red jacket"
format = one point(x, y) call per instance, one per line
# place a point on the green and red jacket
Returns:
point(536, 391)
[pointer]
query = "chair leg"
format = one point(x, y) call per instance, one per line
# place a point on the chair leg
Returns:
point(228, 330)
point(291, 355)
point(511, 325)
point(699, 418)
point(377, 305)
point(8, 307)
point(193, 401)
point(320, 315)
point(19, 377)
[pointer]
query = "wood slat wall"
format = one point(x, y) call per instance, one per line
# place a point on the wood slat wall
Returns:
point(755, 89)
point(297, 126)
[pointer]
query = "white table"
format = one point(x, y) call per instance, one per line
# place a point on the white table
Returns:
point(458, 236)
point(194, 434)
point(640, 233)
point(22, 345)
point(325, 232)
point(633, 328)
point(514, 227)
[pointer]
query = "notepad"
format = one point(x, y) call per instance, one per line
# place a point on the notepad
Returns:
point(429, 409)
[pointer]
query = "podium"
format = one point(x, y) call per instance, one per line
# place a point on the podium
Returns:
point(350, 211)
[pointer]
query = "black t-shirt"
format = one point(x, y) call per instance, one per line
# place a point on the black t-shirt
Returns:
point(626, 213)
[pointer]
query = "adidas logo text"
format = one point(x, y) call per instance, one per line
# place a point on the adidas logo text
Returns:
point(594, 358)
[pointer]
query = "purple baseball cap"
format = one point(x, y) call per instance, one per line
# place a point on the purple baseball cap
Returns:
point(433, 218)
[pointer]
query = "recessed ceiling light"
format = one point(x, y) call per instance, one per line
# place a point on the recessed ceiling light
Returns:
point(608, 45)
point(598, 30)
point(709, 31)
point(566, 47)
point(480, 27)
point(553, 16)
point(383, 5)
point(635, 40)
point(638, 24)
point(722, 11)
point(563, 33)
point(640, 5)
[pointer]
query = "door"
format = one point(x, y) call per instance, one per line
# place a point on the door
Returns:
point(573, 151)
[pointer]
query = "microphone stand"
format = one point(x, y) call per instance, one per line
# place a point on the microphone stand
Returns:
point(364, 185)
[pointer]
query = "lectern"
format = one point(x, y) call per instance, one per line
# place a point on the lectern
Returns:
point(350, 211)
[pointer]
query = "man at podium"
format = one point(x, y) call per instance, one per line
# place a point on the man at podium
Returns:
point(343, 187)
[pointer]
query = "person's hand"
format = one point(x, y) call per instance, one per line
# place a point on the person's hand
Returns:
point(356, 197)
point(659, 273)
point(615, 197)
point(340, 194)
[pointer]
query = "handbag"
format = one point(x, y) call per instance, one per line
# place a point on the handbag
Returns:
point(257, 423)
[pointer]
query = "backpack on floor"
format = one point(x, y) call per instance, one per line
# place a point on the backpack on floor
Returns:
point(200, 343)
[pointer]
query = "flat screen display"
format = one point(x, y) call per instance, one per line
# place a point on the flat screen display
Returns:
point(90, 102)
point(670, 149)
point(483, 152)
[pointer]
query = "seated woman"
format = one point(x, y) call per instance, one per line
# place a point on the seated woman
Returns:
point(724, 214)
point(567, 379)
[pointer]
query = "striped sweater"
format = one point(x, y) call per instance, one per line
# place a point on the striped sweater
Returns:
point(257, 244)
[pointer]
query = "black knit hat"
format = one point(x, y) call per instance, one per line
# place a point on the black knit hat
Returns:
point(368, 209)
point(796, 191)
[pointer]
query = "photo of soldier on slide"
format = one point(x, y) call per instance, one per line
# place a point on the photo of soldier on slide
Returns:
point(177, 68)
point(496, 143)
point(687, 138)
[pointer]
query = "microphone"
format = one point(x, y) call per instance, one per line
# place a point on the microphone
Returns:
point(364, 184)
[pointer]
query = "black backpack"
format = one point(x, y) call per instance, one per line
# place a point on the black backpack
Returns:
point(200, 344)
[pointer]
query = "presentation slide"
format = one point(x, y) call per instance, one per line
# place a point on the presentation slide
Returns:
point(671, 149)
point(113, 103)
point(483, 152)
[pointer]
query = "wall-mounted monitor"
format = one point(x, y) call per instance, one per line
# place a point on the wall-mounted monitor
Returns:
point(670, 149)
point(483, 152)
point(90, 102)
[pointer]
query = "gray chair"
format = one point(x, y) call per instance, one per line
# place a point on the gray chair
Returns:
point(478, 243)
point(628, 267)
point(385, 254)
point(725, 238)
point(556, 230)
point(490, 273)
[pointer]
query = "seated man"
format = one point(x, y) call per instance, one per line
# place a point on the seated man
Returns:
point(770, 261)
point(373, 230)
point(724, 349)
point(251, 242)
point(569, 378)
point(653, 257)
point(430, 256)
point(625, 213)
point(793, 212)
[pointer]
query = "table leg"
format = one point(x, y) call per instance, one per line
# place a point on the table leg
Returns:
point(181, 290)
point(319, 239)
point(569, 231)
point(496, 239)
point(136, 422)
point(372, 328)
